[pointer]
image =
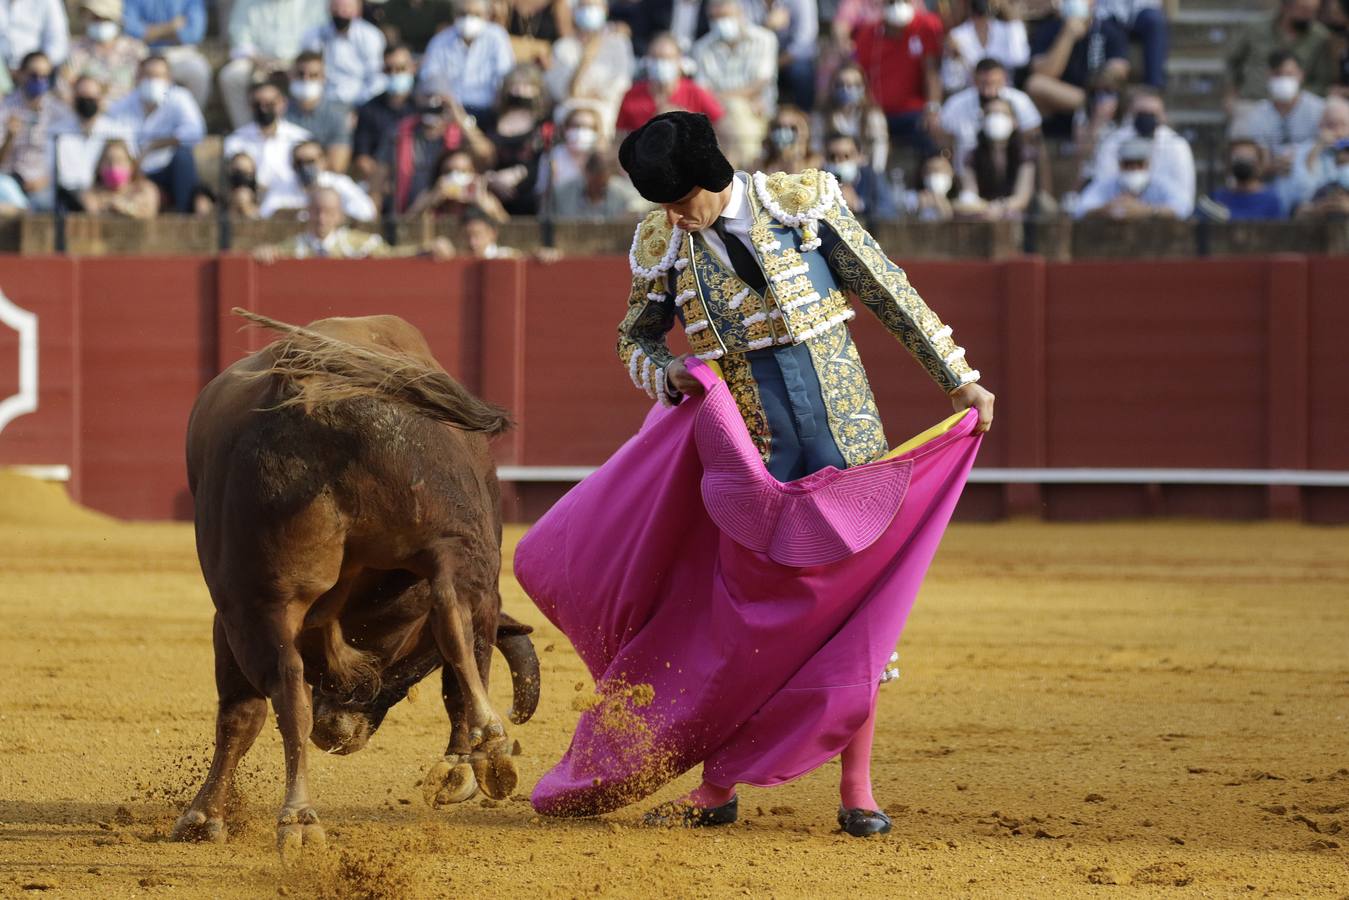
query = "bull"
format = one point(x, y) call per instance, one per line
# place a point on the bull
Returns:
point(348, 528)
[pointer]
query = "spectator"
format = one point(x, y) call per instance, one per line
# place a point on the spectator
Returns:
point(33, 116)
point(986, 34)
point(1335, 17)
point(481, 234)
point(104, 52)
point(582, 133)
point(865, 190)
point(1288, 117)
point(930, 200)
point(737, 61)
point(1247, 197)
point(1001, 168)
point(664, 88)
point(683, 20)
point(34, 26)
point(1073, 57)
point(1144, 20)
point(469, 61)
point(1331, 197)
point(598, 196)
point(269, 140)
point(167, 126)
point(78, 151)
point(265, 37)
point(901, 56)
point(1134, 194)
point(1172, 159)
point(352, 52)
point(849, 109)
point(594, 64)
point(326, 236)
point(850, 16)
point(1314, 162)
point(173, 29)
point(118, 187)
point(962, 115)
point(381, 115)
point(534, 26)
point(796, 25)
point(241, 184)
point(787, 147)
point(311, 170)
point(326, 117)
point(458, 187)
point(521, 135)
point(408, 154)
point(410, 22)
point(1293, 30)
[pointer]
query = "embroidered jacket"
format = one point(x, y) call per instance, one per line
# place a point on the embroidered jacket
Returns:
point(812, 250)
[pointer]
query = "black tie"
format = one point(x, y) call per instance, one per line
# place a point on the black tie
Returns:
point(744, 263)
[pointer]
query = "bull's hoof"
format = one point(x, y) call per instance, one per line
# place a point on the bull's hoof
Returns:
point(496, 773)
point(451, 780)
point(298, 831)
point(194, 826)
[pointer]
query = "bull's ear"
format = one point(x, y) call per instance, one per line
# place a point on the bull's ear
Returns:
point(506, 626)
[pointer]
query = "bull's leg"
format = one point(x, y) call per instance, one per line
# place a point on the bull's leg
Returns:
point(452, 780)
point(239, 718)
point(292, 700)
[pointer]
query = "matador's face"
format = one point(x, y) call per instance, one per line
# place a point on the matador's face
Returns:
point(696, 211)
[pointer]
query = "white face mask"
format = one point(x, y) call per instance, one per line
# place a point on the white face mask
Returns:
point(305, 91)
point(154, 90)
point(727, 28)
point(998, 126)
point(101, 32)
point(459, 179)
point(939, 183)
point(666, 71)
point(590, 18)
point(899, 14)
point(1134, 180)
point(846, 171)
point(471, 26)
point(582, 139)
point(1283, 88)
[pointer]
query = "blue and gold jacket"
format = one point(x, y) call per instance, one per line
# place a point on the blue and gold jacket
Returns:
point(812, 250)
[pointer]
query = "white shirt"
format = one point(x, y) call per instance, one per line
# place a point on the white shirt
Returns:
point(684, 22)
point(356, 203)
point(1007, 43)
point(1171, 165)
point(738, 218)
point(270, 154)
point(354, 61)
point(77, 152)
point(177, 117)
point(28, 25)
point(273, 29)
point(962, 116)
point(471, 73)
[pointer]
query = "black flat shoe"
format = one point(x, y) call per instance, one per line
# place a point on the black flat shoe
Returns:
point(863, 822)
point(674, 814)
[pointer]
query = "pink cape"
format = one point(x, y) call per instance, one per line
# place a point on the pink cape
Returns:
point(760, 614)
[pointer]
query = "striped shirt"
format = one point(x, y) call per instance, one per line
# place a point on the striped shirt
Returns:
point(731, 67)
point(471, 73)
point(354, 61)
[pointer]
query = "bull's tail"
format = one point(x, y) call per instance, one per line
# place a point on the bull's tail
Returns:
point(514, 643)
point(353, 372)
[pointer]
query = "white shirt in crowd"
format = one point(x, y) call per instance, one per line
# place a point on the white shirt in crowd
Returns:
point(354, 60)
point(270, 153)
point(28, 25)
point(177, 117)
point(962, 116)
point(77, 152)
point(471, 72)
point(273, 29)
point(1171, 164)
point(356, 203)
point(1007, 43)
point(753, 58)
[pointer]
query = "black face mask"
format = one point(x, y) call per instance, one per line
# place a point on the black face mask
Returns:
point(241, 179)
point(86, 107)
point(1243, 169)
point(1301, 26)
point(1340, 28)
point(978, 7)
point(264, 115)
point(341, 23)
point(1145, 124)
point(308, 173)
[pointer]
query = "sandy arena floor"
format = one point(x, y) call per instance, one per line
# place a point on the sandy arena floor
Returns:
point(1117, 710)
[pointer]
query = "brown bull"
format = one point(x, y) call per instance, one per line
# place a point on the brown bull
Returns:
point(348, 528)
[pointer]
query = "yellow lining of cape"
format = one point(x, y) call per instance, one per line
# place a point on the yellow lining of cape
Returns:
point(912, 443)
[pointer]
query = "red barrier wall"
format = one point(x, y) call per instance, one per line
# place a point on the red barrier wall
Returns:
point(1221, 364)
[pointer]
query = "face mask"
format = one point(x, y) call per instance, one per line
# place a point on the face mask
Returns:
point(727, 29)
point(1243, 169)
point(1301, 26)
point(400, 83)
point(1283, 88)
point(306, 91)
point(1134, 180)
point(899, 14)
point(115, 177)
point(240, 179)
point(431, 121)
point(1344, 175)
point(86, 107)
point(471, 26)
point(1145, 124)
point(308, 173)
point(849, 94)
point(153, 91)
point(101, 32)
point(264, 115)
point(590, 18)
point(1076, 9)
point(978, 7)
point(939, 183)
point(998, 126)
point(34, 86)
point(582, 139)
point(341, 23)
point(459, 179)
point(845, 171)
point(783, 137)
point(665, 71)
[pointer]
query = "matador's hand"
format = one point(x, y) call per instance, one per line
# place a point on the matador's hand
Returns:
point(678, 377)
point(972, 396)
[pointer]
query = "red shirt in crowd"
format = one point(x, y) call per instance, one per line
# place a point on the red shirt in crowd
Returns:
point(638, 106)
point(894, 63)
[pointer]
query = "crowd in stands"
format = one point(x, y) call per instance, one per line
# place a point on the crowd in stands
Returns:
point(477, 111)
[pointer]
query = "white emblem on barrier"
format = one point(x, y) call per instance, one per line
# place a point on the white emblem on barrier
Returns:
point(25, 323)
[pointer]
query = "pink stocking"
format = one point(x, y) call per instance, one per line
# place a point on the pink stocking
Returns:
point(708, 795)
point(855, 786)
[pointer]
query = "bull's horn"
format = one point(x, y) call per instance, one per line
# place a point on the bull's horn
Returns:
point(520, 656)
